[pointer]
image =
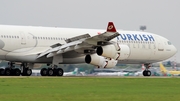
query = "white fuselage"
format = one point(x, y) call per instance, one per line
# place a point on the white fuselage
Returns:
point(24, 43)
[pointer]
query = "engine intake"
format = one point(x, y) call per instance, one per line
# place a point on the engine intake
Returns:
point(114, 51)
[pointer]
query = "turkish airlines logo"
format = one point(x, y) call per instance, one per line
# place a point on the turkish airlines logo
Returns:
point(110, 27)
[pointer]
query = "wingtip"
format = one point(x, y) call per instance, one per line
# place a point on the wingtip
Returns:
point(111, 27)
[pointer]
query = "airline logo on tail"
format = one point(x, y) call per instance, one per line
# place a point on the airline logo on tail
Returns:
point(111, 27)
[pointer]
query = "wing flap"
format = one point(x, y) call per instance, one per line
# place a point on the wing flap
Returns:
point(77, 38)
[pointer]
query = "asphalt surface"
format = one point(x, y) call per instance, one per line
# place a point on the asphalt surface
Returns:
point(89, 77)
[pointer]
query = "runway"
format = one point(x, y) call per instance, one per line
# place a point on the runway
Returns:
point(89, 77)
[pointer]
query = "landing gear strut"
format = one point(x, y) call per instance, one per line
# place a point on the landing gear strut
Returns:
point(52, 71)
point(147, 72)
point(25, 70)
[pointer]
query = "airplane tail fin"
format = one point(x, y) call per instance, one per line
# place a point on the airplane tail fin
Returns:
point(111, 27)
point(162, 68)
point(75, 71)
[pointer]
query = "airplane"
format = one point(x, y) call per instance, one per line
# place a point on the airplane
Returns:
point(168, 72)
point(119, 73)
point(73, 73)
point(110, 72)
point(29, 45)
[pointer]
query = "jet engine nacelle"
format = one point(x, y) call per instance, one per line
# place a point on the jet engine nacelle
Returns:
point(100, 61)
point(115, 51)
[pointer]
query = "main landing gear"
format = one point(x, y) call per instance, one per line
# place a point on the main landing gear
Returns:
point(25, 70)
point(147, 72)
point(12, 71)
point(52, 71)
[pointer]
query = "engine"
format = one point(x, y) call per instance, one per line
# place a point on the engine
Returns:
point(114, 51)
point(100, 61)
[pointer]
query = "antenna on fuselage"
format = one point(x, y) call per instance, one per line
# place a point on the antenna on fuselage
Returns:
point(143, 27)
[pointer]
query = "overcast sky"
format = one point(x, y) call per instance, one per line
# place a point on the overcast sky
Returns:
point(160, 16)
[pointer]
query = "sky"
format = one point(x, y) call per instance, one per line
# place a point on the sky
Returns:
point(161, 17)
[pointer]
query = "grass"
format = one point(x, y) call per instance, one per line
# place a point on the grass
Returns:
point(89, 89)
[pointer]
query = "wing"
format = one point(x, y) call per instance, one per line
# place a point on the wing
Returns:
point(83, 43)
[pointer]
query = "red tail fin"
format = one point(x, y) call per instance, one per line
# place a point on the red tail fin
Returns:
point(111, 27)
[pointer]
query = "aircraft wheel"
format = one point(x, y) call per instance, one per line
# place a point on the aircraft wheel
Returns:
point(50, 72)
point(7, 72)
point(17, 72)
point(59, 72)
point(1, 71)
point(43, 72)
point(26, 72)
point(144, 73)
point(148, 73)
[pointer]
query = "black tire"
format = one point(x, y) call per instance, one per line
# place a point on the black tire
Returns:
point(43, 72)
point(148, 73)
point(1, 71)
point(59, 72)
point(7, 72)
point(28, 72)
point(145, 73)
point(24, 72)
point(50, 72)
point(17, 72)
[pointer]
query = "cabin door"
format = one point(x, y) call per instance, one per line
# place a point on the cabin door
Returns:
point(23, 38)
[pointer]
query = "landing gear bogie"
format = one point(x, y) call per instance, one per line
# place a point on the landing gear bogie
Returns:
point(52, 72)
point(10, 72)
